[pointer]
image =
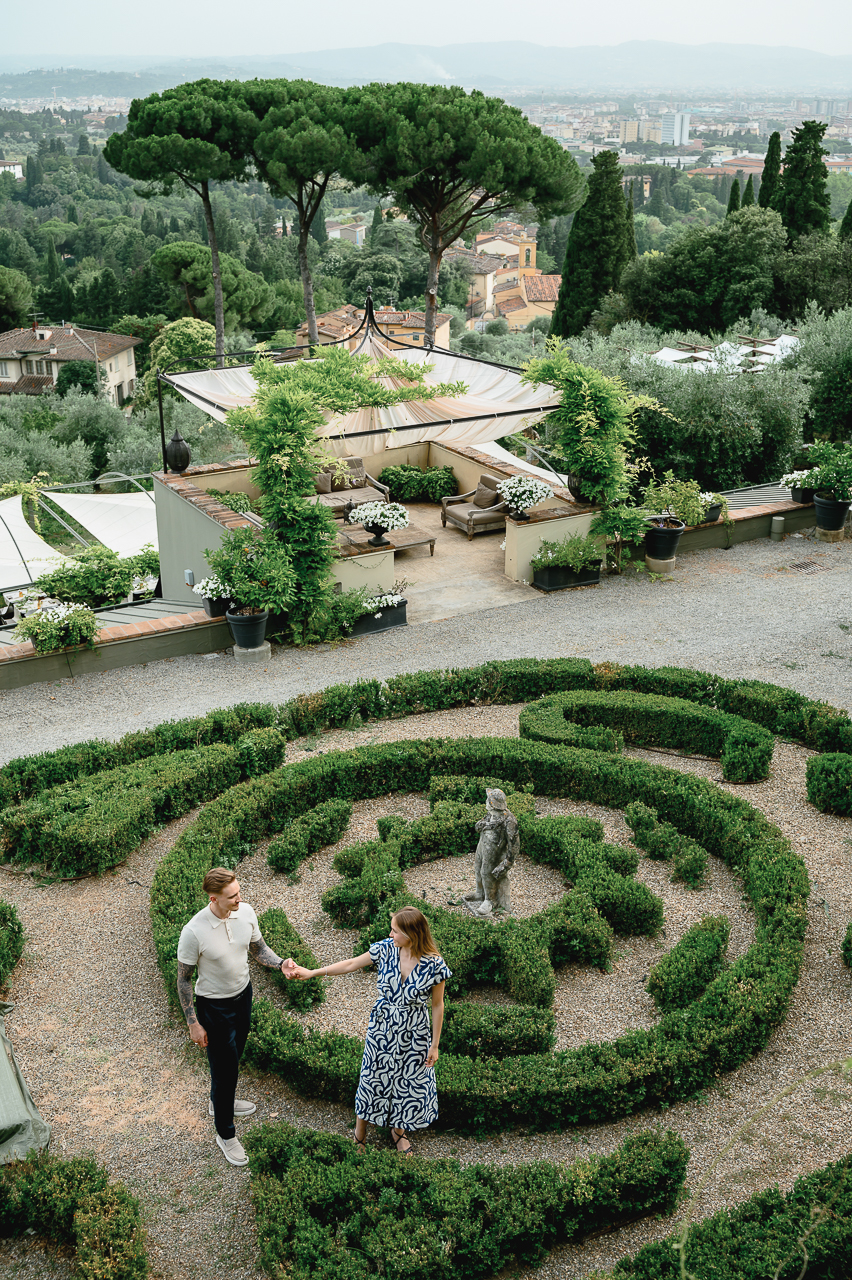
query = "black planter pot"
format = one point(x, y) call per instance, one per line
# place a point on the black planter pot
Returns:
point(805, 496)
point(574, 485)
point(392, 616)
point(560, 576)
point(830, 513)
point(378, 531)
point(661, 544)
point(248, 629)
point(215, 608)
point(713, 513)
point(516, 514)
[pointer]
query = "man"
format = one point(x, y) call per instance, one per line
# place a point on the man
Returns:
point(218, 940)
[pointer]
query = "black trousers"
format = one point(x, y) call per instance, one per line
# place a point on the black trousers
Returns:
point(227, 1025)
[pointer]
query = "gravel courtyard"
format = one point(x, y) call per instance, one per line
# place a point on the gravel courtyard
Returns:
point(112, 1069)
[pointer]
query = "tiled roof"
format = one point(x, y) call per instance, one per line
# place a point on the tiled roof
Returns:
point(63, 343)
point(408, 319)
point(32, 384)
point(542, 288)
point(511, 304)
point(510, 284)
point(480, 262)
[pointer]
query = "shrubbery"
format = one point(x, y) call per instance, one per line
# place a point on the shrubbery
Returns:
point(304, 836)
point(763, 1236)
point(72, 1202)
point(682, 975)
point(497, 1030)
point(846, 948)
point(326, 1213)
point(829, 780)
point(408, 483)
point(663, 841)
point(280, 935)
point(11, 939)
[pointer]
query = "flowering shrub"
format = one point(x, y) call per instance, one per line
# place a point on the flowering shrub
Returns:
point(708, 500)
point(213, 589)
point(797, 480)
point(58, 626)
point(832, 474)
point(569, 553)
point(382, 602)
point(523, 492)
point(390, 515)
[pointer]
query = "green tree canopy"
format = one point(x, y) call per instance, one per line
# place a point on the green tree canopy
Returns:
point(16, 298)
point(247, 298)
point(845, 229)
point(183, 344)
point(771, 177)
point(748, 194)
point(734, 197)
point(802, 199)
point(600, 246)
point(192, 135)
point(78, 373)
point(451, 160)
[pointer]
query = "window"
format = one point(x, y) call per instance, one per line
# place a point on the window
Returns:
point(130, 358)
point(416, 337)
point(4, 369)
point(29, 366)
point(110, 366)
point(39, 366)
point(527, 258)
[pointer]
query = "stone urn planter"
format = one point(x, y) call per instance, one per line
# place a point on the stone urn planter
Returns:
point(389, 616)
point(248, 629)
point(560, 577)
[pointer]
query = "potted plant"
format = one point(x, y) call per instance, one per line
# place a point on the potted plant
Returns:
point(571, 562)
point(713, 505)
point(380, 613)
point(215, 596)
point(831, 477)
point(259, 572)
point(798, 482)
point(379, 518)
point(522, 492)
point(621, 525)
point(58, 626)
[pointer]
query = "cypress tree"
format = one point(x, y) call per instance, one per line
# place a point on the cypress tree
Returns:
point(597, 251)
point(845, 229)
point(771, 177)
point(377, 222)
point(734, 197)
point(631, 226)
point(803, 200)
point(748, 194)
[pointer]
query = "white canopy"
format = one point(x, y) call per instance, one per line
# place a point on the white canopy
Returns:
point(124, 522)
point(496, 404)
point(24, 556)
point(727, 355)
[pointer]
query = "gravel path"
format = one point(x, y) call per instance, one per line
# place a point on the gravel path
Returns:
point(113, 1072)
point(744, 612)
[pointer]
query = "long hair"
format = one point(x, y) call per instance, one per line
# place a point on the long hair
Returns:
point(412, 922)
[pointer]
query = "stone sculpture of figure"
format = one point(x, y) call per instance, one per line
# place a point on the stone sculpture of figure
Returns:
point(495, 855)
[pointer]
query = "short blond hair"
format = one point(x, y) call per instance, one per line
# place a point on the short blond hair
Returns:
point(217, 879)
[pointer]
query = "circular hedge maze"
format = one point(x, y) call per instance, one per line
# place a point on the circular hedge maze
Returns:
point(84, 808)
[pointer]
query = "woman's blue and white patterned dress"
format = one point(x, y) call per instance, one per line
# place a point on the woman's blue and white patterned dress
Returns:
point(395, 1088)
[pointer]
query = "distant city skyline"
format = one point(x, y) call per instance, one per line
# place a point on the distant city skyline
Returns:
point(212, 28)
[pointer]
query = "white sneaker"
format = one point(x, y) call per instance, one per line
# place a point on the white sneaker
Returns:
point(241, 1108)
point(232, 1149)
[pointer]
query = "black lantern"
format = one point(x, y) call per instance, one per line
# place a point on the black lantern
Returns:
point(178, 453)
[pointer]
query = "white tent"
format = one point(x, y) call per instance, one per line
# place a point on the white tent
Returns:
point(496, 404)
point(727, 355)
point(24, 556)
point(124, 522)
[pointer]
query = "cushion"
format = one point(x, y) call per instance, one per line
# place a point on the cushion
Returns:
point(322, 482)
point(338, 483)
point(357, 474)
point(485, 497)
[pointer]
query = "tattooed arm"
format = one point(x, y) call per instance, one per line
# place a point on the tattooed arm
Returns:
point(184, 987)
point(265, 955)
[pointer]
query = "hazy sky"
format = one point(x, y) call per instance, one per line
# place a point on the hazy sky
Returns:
point(220, 28)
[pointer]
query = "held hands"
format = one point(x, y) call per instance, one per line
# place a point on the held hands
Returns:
point(431, 1056)
point(292, 970)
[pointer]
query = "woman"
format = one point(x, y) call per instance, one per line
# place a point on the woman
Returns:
point(397, 1082)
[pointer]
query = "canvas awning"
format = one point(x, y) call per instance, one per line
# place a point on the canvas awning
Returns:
point(24, 556)
point(496, 404)
point(124, 522)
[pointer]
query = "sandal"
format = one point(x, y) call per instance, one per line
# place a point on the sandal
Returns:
point(397, 1136)
point(360, 1145)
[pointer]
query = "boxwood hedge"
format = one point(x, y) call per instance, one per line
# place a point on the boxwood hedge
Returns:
point(693, 963)
point(651, 719)
point(686, 1051)
point(663, 841)
point(829, 780)
point(72, 1202)
point(325, 1212)
point(11, 939)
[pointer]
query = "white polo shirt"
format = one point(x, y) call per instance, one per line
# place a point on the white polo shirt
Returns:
point(220, 949)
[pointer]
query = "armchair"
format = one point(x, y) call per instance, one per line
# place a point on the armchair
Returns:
point(478, 511)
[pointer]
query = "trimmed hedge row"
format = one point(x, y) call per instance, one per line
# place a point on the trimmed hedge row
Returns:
point(326, 1213)
point(846, 947)
point(664, 842)
point(409, 483)
point(691, 965)
point(763, 1236)
point(81, 828)
point(497, 1030)
point(829, 780)
point(686, 1051)
point(284, 940)
point(649, 719)
point(11, 939)
point(73, 1202)
point(307, 835)
point(782, 711)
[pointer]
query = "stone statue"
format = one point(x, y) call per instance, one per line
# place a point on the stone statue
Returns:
point(495, 855)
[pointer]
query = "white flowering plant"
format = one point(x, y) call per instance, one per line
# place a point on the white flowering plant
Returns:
point(382, 602)
point(569, 553)
point(58, 626)
point(708, 500)
point(213, 588)
point(523, 492)
point(798, 480)
point(390, 515)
